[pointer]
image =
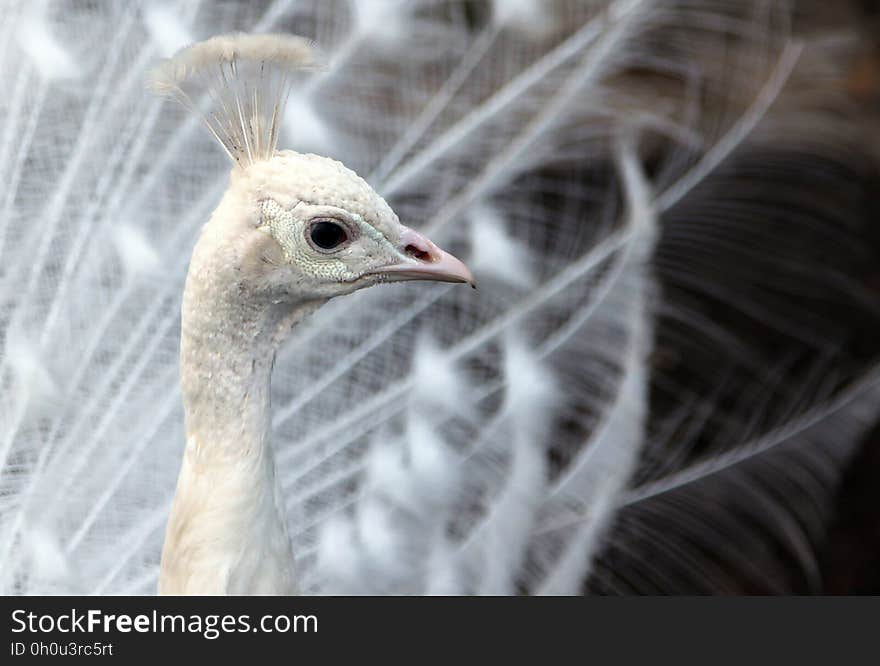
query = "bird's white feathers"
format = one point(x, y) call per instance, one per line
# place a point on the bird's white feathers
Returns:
point(641, 367)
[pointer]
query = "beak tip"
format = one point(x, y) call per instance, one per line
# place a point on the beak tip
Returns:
point(431, 262)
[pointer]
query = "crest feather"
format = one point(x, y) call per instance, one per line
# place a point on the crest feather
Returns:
point(238, 84)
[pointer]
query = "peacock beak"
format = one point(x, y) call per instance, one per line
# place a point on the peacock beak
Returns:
point(426, 261)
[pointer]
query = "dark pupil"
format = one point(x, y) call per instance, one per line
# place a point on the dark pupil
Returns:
point(327, 235)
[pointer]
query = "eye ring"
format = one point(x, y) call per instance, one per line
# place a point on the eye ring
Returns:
point(327, 235)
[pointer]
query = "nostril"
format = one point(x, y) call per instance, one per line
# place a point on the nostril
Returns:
point(418, 253)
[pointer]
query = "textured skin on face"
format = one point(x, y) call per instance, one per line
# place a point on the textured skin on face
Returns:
point(291, 190)
point(282, 225)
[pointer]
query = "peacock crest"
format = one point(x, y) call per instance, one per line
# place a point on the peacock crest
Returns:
point(247, 80)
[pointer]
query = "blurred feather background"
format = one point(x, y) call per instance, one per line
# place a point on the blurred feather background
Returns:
point(667, 382)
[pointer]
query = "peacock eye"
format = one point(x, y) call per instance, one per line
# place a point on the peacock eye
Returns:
point(327, 235)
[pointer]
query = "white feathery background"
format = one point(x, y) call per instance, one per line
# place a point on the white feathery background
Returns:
point(652, 387)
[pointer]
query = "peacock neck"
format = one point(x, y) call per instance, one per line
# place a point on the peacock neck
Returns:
point(227, 353)
point(226, 533)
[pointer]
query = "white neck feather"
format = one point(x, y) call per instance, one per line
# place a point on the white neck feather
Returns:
point(226, 533)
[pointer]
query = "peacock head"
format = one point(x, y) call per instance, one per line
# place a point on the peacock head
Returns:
point(313, 229)
point(292, 224)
